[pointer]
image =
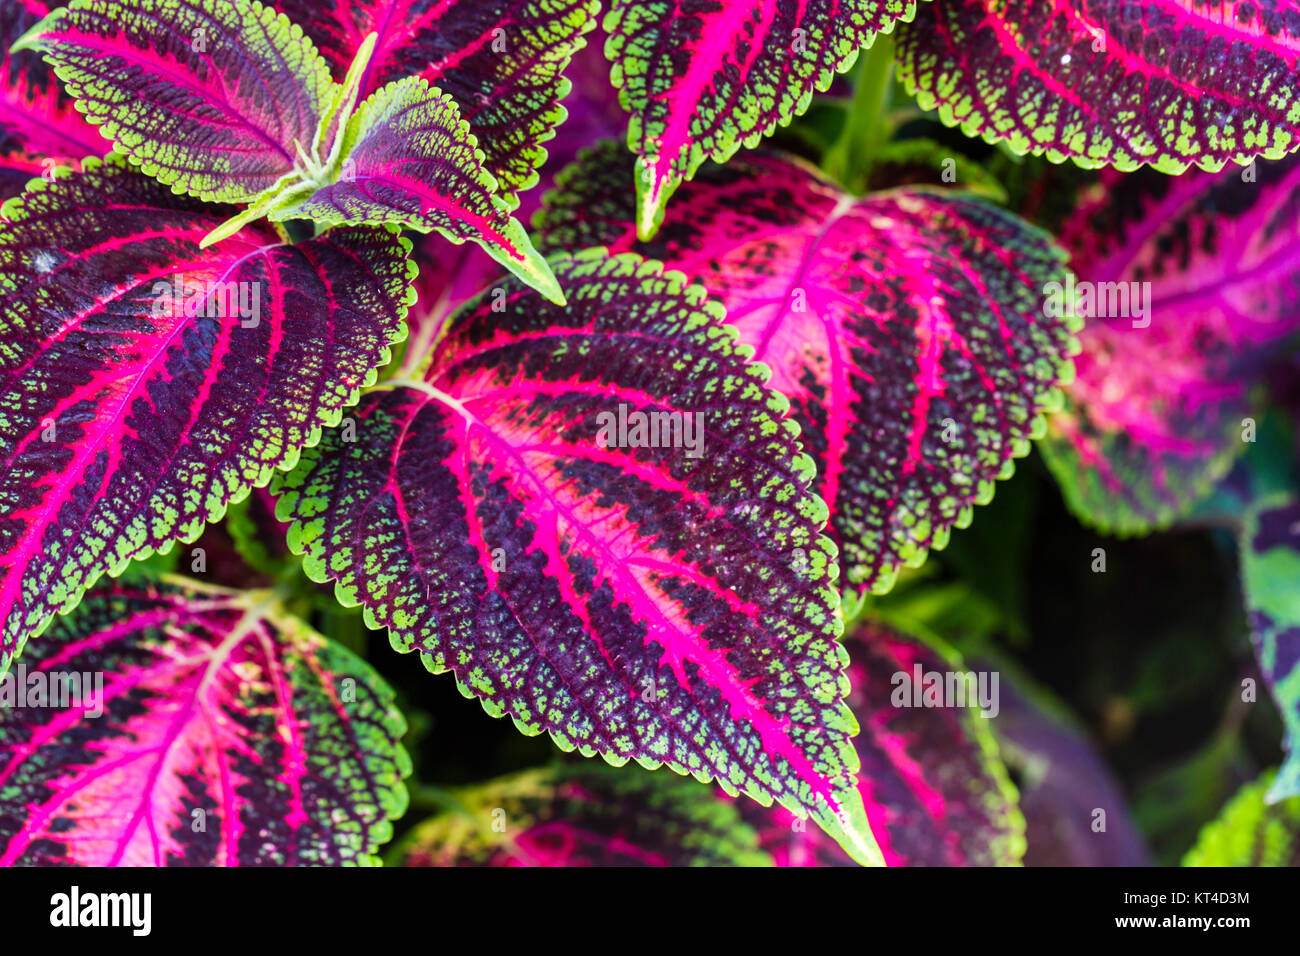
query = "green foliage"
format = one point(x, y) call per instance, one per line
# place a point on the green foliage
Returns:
point(1251, 831)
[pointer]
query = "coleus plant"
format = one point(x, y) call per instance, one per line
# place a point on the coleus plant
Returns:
point(280, 747)
point(629, 493)
point(231, 102)
point(1163, 402)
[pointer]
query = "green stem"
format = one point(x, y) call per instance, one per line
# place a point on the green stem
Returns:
point(436, 799)
point(868, 124)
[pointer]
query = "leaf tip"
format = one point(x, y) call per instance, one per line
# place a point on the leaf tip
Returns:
point(649, 215)
point(554, 293)
point(854, 836)
point(365, 51)
point(530, 267)
point(652, 192)
point(537, 274)
point(232, 225)
point(31, 40)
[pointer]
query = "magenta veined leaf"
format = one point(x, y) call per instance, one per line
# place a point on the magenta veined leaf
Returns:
point(1270, 576)
point(408, 158)
point(182, 725)
point(1184, 283)
point(935, 790)
point(590, 815)
point(216, 98)
point(701, 78)
point(39, 126)
point(502, 61)
point(145, 383)
point(1172, 83)
point(905, 327)
point(667, 598)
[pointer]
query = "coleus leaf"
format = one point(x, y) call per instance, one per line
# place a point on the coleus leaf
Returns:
point(700, 78)
point(1172, 83)
point(1251, 831)
point(668, 599)
point(502, 61)
point(590, 815)
point(216, 99)
point(408, 158)
point(1270, 572)
point(935, 791)
point(39, 126)
point(1160, 406)
point(906, 328)
point(184, 725)
point(145, 383)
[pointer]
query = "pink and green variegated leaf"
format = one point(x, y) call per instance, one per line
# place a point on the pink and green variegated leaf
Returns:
point(590, 815)
point(701, 78)
point(667, 598)
point(1252, 830)
point(1172, 83)
point(173, 725)
point(905, 327)
point(935, 791)
point(502, 61)
point(216, 98)
point(1192, 279)
point(1270, 573)
point(39, 126)
point(145, 383)
point(408, 158)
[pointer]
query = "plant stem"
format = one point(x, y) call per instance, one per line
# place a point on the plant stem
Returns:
point(868, 124)
point(436, 799)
